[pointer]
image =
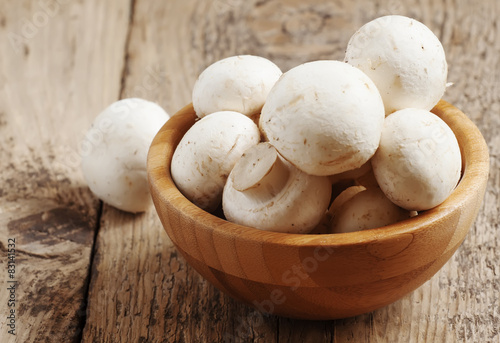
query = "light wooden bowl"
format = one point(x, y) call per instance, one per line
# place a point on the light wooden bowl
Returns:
point(319, 276)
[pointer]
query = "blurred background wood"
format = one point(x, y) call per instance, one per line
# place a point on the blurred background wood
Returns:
point(59, 69)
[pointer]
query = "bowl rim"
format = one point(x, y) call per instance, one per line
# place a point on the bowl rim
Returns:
point(475, 171)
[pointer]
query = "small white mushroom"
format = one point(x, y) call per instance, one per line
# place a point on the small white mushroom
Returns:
point(343, 197)
point(404, 59)
point(114, 152)
point(207, 153)
point(363, 209)
point(418, 162)
point(325, 117)
point(237, 83)
point(266, 192)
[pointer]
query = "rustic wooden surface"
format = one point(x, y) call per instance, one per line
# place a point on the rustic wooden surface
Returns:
point(90, 273)
point(351, 274)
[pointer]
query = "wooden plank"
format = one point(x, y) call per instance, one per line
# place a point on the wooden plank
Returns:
point(57, 71)
point(143, 290)
point(460, 303)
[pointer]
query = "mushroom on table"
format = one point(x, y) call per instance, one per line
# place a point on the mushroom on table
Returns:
point(114, 152)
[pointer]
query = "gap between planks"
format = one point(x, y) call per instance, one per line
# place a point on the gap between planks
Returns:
point(124, 72)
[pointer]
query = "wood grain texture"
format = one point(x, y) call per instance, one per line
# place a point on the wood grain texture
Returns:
point(170, 307)
point(319, 276)
point(292, 32)
point(47, 100)
point(142, 289)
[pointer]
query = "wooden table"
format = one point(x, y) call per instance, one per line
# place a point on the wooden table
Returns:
point(88, 272)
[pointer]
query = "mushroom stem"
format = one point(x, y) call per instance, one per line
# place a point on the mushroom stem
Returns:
point(260, 173)
point(267, 192)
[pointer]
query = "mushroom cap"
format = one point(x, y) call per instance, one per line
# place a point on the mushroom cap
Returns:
point(418, 162)
point(237, 83)
point(325, 117)
point(114, 152)
point(343, 197)
point(365, 209)
point(206, 154)
point(404, 59)
point(296, 203)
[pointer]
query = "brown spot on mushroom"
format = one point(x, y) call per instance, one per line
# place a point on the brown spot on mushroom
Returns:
point(234, 145)
point(296, 100)
point(397, 82)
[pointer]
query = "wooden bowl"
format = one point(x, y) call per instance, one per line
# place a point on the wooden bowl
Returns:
point(319, 276)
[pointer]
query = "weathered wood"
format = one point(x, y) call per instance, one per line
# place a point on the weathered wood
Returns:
point(181, 38)
point(461, 302)
point(288, 32)
point(141, 288)
point(361, 271)
point(57, 70)
point(54, 84)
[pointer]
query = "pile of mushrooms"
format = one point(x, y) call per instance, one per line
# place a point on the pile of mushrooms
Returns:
point(339, 146)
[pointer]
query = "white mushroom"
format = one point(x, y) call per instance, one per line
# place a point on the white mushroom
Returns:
point(114, 152)
point(325, 117)
point(207, 153)
point(266, 192)
point(238, 83)
point(418, 162)
point(405, 60)
point(343, 197)
point(362, 209)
